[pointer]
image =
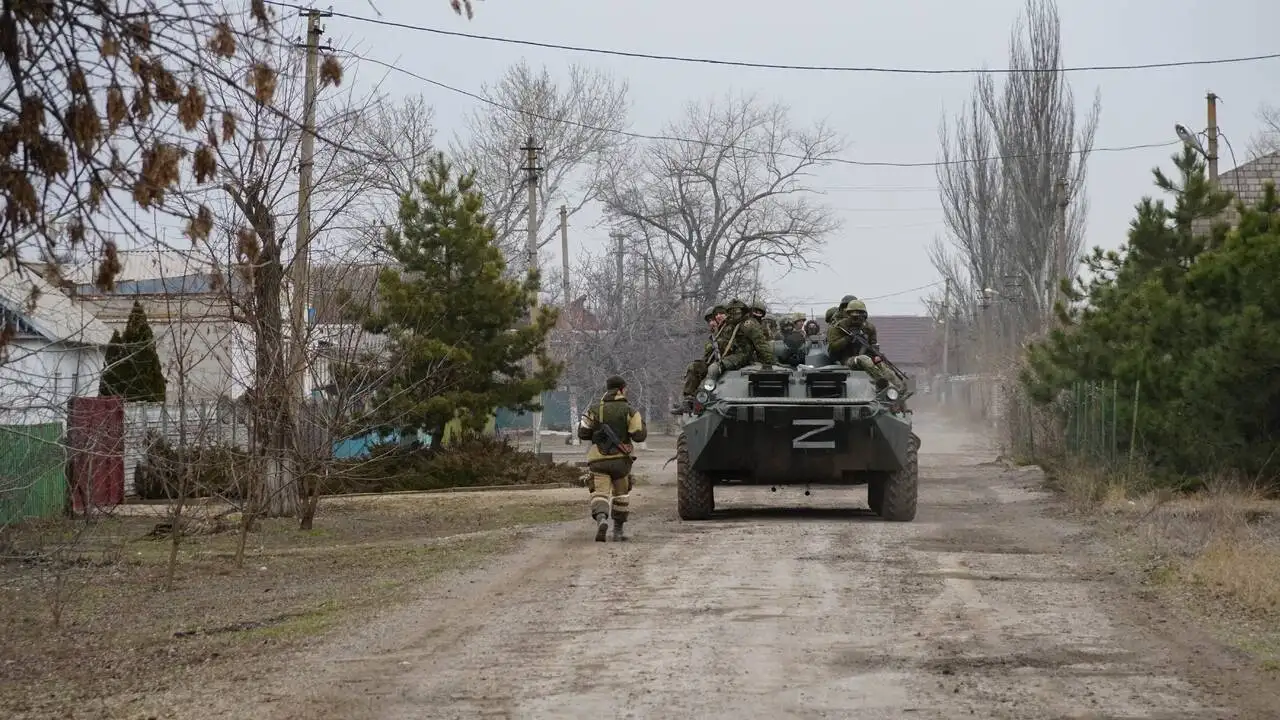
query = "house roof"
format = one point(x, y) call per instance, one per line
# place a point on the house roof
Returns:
point(55, 316)
point(336, 290)
point(908, 339)
point(576, 316)
point(142, 264)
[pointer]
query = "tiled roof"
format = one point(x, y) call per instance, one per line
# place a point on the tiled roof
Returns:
point(908, 339)
point(338, 292)
point(577, 317)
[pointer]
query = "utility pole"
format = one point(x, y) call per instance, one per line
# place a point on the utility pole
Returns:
point(1213, 137)
point(569, 329)
point(299, 270)
point(531, 169)
point(946, 339)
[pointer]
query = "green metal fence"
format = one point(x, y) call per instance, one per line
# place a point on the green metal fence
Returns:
point(1100, 421)
point(1093, 422)
point(33, 481)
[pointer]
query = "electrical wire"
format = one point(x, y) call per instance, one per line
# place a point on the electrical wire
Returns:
point(725, 146)
point(878, 188)
point(826, 301)
point(783, 66)
point(1236, 166)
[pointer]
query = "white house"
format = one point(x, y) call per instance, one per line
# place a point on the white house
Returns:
point(55, 352)
point(190, 313)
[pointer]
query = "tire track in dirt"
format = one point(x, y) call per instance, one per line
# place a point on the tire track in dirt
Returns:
point(985, 607)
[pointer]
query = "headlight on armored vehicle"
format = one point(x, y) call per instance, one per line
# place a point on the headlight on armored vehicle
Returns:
point(891, 393)
point(702, 396)
point(709, 385)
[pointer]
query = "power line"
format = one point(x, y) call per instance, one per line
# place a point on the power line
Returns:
point(784, 66)
point(708, 143)
point(878, 188)
point(870, 209)
point(827, 301)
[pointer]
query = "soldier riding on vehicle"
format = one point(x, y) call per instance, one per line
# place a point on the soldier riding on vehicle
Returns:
point(849, 344)
point(716, 318)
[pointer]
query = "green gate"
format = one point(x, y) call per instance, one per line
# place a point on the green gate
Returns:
point(33, 481)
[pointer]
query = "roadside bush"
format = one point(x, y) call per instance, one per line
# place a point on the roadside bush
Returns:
point(1185, 321)
point(470, 463)
point(215, 471)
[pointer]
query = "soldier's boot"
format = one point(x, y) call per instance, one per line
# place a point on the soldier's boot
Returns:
point(600, 505)
point(617, 530)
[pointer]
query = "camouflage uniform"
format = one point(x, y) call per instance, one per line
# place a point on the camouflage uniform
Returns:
point(793, 338)
point(747, 341)
point(697, 370)
point(850, 304)
point(760, 313)
point(843, 347)
point(610, 482)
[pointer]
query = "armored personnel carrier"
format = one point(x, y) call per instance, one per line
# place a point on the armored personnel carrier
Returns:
point(813, 422)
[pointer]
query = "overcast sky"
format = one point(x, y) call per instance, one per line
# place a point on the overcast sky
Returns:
point(891, 214)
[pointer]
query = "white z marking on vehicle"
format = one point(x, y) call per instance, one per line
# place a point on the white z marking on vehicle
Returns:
point(804, 443)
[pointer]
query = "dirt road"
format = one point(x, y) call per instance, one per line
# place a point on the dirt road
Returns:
point(988, 606)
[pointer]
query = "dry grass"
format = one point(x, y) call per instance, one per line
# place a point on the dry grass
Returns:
point(1215, 552)
point(119, 635)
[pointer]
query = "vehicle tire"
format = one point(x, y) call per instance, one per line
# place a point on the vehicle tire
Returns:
point(902, 487)
point(696, 494)
point(875, 492)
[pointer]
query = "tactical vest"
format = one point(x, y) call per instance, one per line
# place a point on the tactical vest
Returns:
point(615, 412)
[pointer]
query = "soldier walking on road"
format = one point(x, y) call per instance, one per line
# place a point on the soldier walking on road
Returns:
point(612, 427)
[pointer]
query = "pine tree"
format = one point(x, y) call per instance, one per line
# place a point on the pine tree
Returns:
point(111, 368)
point(458, 328)
point(1192, 318)
point(133, 368)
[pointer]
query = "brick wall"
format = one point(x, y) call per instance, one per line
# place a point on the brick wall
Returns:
point(1247, 182)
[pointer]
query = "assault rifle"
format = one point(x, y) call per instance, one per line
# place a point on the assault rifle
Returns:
point(608, 441)
point(863, 346)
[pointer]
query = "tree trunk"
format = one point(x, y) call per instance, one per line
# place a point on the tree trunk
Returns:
point(272, 410)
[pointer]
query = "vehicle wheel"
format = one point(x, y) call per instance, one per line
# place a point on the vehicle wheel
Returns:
point(901, 488)
point(696, 494)
point(875, 492)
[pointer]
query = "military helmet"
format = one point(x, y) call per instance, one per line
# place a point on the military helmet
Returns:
point(712, 312)
point(736, 304)
point(759, 308)
point(831, 313)
point(847, 299)
point(856, 305)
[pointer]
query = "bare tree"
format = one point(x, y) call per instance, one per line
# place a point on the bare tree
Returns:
point(1267, 139)
point(1042, 143)
point(257, 153)
point(728, 193)
point(403, 135)
point(630, 320)
point(577, 124)
point(100, 112)
point(1007, 160)
point(973, 200)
